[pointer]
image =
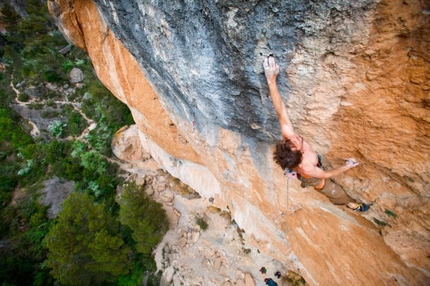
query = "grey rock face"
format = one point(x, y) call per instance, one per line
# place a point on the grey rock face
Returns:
point(205, 57)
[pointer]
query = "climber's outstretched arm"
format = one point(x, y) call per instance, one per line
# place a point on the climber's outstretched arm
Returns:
point(310, 170)
point(271, 70)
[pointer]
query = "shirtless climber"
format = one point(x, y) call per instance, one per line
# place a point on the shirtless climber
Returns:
point(294, 153)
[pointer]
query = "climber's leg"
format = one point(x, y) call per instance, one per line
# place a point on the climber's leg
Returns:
point(333, 192)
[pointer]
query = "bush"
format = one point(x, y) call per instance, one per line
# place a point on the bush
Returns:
point(100, 139)
point(52, 76)
point(79, 147)
point(94, 162)
point(67, 66)
point(49, 114)
point(35, 106)
point(57, 128)
point(23, 97)
point(51, 103)
point(201, 222)
point(77, 124)
point(26, 168)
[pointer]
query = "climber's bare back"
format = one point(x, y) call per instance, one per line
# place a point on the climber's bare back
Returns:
point(310, 157)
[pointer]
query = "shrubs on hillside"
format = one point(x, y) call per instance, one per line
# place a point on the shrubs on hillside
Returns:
point(85, 244)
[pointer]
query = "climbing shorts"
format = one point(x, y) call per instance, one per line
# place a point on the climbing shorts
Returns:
point(328, 188)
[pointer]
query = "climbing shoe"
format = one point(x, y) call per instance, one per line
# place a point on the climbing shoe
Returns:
point(361, 207)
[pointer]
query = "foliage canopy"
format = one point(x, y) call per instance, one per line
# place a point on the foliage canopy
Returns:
point(145, 217)
point(84, 246)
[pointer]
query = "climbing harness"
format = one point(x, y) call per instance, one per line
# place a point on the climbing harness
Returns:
point(290, 173)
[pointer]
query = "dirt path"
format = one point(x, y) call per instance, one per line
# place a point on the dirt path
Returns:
point(35, 129)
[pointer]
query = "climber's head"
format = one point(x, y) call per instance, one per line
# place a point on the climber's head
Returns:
point(288, 153)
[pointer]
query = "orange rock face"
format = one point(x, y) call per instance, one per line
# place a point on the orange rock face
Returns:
point(368, 99)
point(393, 137)
point(120, 73)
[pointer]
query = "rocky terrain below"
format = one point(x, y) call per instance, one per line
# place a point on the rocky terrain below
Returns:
point(204, 245)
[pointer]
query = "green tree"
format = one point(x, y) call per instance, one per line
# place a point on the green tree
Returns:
point(145, 217)
point(84, 246)
point(23, 254)
point(12, 132)
point(8, 15)
point(12, 58)
point(11, 20)
point(37, 7)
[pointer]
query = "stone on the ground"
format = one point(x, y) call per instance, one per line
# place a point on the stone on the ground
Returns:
point(76, 76)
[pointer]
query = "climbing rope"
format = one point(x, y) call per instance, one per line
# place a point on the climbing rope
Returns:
point(290, 174)
point(193, 123)
point(288, 189)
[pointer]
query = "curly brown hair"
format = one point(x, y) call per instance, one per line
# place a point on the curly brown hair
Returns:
point(285, 157)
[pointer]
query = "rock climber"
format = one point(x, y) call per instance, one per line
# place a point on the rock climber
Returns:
point(270, 282)
point(263, 270)
point(295, 154)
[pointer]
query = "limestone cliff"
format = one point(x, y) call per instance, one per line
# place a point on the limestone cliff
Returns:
point(356, 79)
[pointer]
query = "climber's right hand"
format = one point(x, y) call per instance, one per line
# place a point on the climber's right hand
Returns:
point(351, 162)
point(271, 69)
